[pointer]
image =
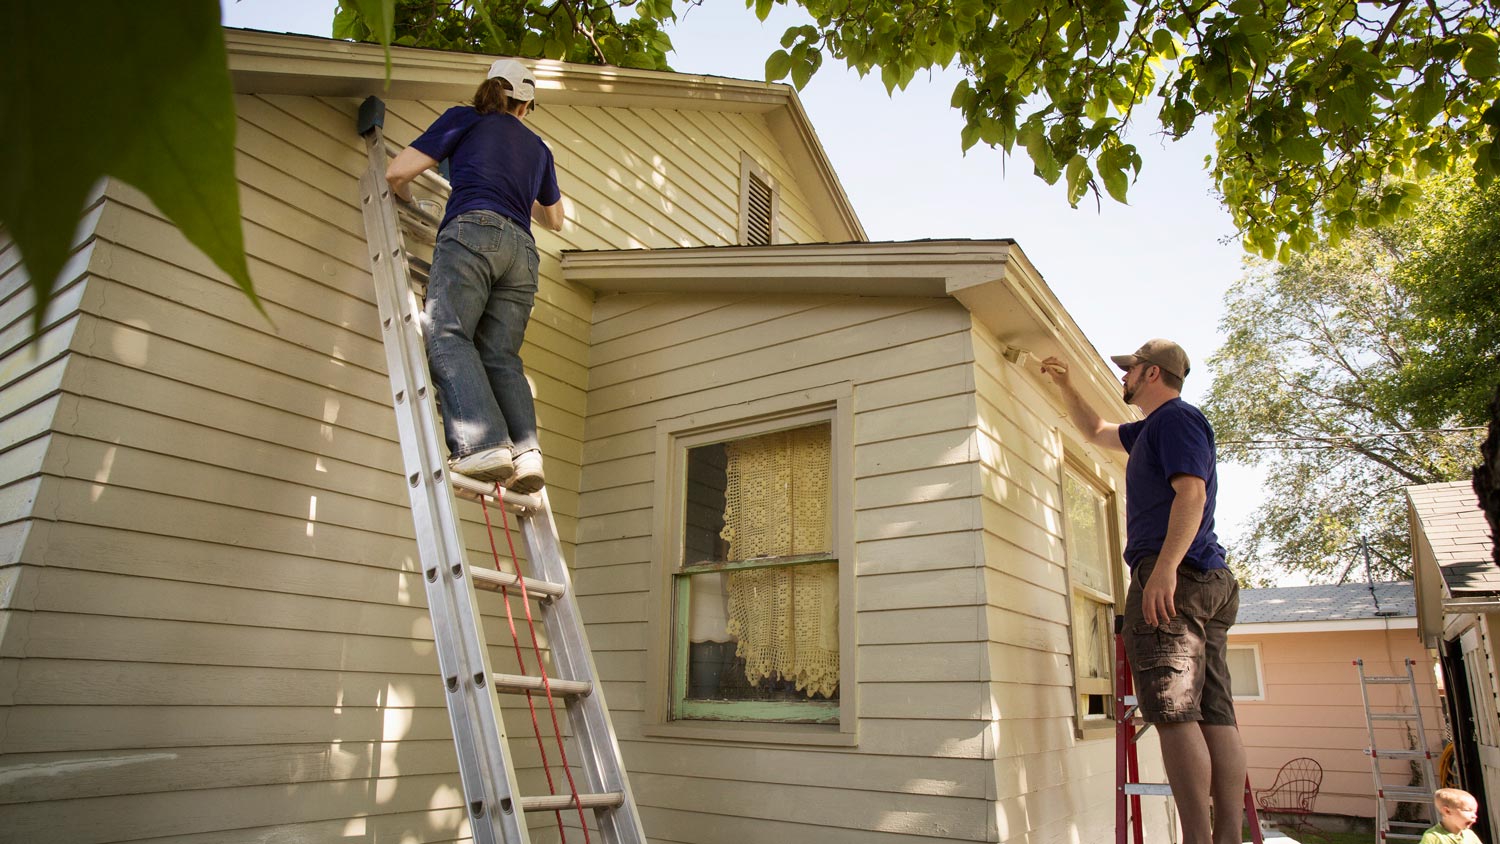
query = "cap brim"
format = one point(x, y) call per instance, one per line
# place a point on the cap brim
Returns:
point(1125, 361)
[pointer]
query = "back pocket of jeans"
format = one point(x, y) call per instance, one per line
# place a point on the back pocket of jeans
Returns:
point(478, 236)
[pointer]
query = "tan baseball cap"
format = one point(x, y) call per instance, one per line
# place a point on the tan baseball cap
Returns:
point(522, 84)
point(1163, 353)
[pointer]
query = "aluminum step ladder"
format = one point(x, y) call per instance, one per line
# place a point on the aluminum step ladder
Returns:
point(1387, 795)
point(496, 812)
point(1128, 788)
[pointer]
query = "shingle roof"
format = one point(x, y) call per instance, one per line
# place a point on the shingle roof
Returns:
point(1343, 602)
point(1455, 529)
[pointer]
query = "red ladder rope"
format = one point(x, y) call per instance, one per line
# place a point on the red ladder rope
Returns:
point(541, 668)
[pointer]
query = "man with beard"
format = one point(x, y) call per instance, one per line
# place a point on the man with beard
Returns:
point(1182, 597)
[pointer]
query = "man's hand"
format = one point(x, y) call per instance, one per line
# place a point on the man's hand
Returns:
point(1057, 369)
point(1157, 606)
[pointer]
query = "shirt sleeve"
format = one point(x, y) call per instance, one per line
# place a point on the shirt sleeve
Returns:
point(443, 135)
point(1183, 447)
point(547, 193)
point(1129, 431)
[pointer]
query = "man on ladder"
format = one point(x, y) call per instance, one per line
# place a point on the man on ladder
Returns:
point(1182, 597)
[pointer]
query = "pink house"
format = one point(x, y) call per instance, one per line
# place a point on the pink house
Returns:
point(1297, 692)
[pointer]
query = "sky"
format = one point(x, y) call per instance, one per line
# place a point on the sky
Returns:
point(1157, 267)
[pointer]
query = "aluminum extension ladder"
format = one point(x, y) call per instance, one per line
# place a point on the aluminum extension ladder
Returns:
point(1128, 787)
point(496, 812)
point(1385, 828)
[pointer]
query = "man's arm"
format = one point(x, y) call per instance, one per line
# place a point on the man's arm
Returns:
point(408, 164)
point(1090, 424)
point(1190, 493)
point(548, 216)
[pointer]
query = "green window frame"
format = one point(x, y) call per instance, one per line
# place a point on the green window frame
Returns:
point(691, 556)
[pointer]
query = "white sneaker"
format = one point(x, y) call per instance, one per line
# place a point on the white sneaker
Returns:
point(491, 465)
point(528, 477)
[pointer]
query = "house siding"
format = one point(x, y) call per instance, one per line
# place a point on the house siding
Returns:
point(1051, 785)
point(1313, 708)
point(923, 742)
point(223, 634)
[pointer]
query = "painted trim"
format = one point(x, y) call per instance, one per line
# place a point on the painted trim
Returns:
point(1406, 622)
point(1260, 671)
point(1088, 728)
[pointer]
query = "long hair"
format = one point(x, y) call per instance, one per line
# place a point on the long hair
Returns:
point(492, 97)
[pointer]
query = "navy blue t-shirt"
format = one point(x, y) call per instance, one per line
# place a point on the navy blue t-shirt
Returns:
point(495, 164)
point(1175, 439)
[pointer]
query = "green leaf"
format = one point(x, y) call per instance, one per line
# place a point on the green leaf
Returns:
point(139, 91)
point(1482, 61)
point(778, 65)
point(380, 16)
point(763, 9)
point(802, 71)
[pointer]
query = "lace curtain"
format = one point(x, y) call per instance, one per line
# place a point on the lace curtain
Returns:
point(784, 618)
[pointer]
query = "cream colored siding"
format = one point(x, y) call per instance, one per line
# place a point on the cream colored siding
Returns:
point(918, 770)
point(1050, 785)
point(224, 631)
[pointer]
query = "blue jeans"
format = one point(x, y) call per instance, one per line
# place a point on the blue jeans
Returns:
point(479, 297)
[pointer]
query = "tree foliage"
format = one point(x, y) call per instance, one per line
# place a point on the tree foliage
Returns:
point(587, 31)
point(1309, 385)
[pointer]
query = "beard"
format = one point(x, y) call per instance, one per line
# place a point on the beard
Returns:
point(1130, 391)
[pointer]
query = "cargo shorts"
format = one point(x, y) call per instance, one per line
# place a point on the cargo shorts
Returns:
point(1180, 668)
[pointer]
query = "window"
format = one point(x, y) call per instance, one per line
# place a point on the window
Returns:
point(1244, 672)
point(1089, 541)
point(760, 203)
point(757, 632)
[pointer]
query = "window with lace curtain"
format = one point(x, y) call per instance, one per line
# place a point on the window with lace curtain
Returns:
point(1089, 540)
point(756, 594)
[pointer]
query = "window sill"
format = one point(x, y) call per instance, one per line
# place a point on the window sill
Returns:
point(803, 734)
point(1095, 732)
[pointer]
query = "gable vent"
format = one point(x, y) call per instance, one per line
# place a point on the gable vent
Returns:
point(758, 205)
point(758, 220)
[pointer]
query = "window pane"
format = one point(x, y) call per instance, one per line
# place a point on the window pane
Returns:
point(764, 634)
point(1244, 679)
point(765, 496)
point(1093, 637)
point(1086, 534)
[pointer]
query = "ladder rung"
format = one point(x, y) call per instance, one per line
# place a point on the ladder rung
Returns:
point(528, 683)
point(1157, 789)
point(1405, 794)
point(1399, 754)
point(470, 488)
point(1393, 716)
point(1409, 825)
point(1388, 681)
point(554, 802)
point(491, 580)
point(1401, 836)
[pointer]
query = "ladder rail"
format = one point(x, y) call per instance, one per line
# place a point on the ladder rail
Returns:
point(588, 716)
point(479, 733)
point(1386, 829)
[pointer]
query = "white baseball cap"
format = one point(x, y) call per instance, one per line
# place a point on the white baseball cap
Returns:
point(522, 84)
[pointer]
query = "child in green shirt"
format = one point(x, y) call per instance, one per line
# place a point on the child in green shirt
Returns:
point(1457, 811)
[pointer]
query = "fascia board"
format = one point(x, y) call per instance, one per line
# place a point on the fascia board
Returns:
point(1405, 622)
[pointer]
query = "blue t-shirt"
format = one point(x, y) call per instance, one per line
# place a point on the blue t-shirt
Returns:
point(1175, 439)
point(495, 164)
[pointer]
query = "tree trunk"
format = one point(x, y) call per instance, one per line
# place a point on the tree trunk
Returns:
point(1487, 476)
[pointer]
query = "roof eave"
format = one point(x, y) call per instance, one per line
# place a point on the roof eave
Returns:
point(271, 63)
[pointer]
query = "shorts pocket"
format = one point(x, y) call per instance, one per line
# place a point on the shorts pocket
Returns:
point(1167, 646)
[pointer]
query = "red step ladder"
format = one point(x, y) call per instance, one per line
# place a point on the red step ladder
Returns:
point(1128, 785)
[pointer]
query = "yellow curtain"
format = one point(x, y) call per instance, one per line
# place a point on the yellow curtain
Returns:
point(785, 619)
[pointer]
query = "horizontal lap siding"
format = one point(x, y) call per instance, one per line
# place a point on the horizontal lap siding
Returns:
point(34, 362)
point(223, 628)
point(918, 772)
point(1313, 708)
point(1051, 785)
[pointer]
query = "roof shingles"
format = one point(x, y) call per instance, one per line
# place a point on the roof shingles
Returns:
point(1454, 529)
point(1327, 602)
